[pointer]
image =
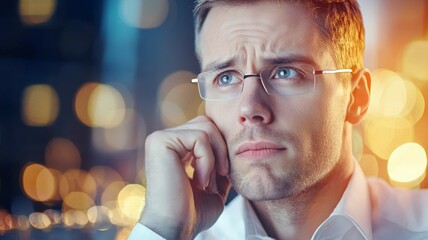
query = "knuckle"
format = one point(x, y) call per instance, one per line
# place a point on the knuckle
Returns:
point(201, 118)
point(154, 137)
point(203, 135)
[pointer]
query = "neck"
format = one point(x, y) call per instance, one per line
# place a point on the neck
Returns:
point(298, 217)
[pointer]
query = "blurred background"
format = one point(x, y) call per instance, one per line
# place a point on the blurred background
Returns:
point(82, 83)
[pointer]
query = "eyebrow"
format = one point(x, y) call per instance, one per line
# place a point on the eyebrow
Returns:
point(219, 64)
point(287, 59)
point(277, 60)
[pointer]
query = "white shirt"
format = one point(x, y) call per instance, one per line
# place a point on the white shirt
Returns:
point(369, 209)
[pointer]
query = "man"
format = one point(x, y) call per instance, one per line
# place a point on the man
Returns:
point(284, 83)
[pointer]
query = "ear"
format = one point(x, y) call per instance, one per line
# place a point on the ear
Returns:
point(360, 96)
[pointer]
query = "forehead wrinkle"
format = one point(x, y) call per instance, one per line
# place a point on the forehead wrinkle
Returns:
point(247, 32)
point(251, 39)
point(247, 40)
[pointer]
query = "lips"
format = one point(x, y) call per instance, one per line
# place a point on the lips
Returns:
point(259, 149)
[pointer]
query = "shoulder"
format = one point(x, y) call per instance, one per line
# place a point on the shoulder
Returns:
point(398, 210)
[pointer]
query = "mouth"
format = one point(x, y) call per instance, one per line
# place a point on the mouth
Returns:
point(259, 150)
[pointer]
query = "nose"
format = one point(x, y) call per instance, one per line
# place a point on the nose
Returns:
point(254, 102)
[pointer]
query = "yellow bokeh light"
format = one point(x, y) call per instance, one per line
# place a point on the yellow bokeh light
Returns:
point(144, 13)
point(179, 99)
point(99, 217)
point(62, 154)
point(104, 175)
point(106, 107)
point(111, 192)
point(415, 60)
point(383, 135)
point(39, 220)
point(74, 219)
point(81, 102)
point(123, 233)
point(388, 93)
point(369, 165)
point(78, 201)
point(407, 165)
point(131, 200)
point(36, 11)
point(76, 180)
point(118, 218)
point(99, 105)
point(393, 96)
point(128, 135)
point(40, 105)
point(54, 216)
point(38, 182)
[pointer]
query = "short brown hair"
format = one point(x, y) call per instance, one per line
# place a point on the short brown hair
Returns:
point(340, 23)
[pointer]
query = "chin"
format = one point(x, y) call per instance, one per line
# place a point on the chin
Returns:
point(261, 185)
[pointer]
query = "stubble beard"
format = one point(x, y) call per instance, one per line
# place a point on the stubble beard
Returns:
point(303, 173)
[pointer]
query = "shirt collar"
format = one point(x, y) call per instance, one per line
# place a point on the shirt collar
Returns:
point(350, 218)
point(253, 228)
point(353, 212)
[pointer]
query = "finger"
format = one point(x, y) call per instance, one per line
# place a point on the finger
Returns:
point(217, 142)
point(182, 141)
point(204, 156)
point(212, 186)
point(223, 186)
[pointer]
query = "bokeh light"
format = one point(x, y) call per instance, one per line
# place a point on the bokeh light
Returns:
point(369, 165)
point(74, 219)
point(38, 182)
point(54, 216)
point(383, 135)
point(62, 154)
point(118, 218)
point(128, 135)
point(407, 165)
point(78, 201)
point(415, 60)
point(393, 96)
point(111, 192)
point(6, 222)
point(40, 105)
point(144, 13)
point(39, 220)
point(131, 200)
point(99, 105)
point(36, 11)
point(123, 233)
point(22, 223)
point(76, 180)
point(179, 99)
point(104, 175)
point(98, 216)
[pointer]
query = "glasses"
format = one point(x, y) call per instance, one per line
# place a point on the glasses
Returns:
point(285, 80)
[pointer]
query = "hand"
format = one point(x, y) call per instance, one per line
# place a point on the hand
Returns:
point(178, 207)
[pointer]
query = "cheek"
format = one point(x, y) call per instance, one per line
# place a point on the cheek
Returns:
point(222, 118)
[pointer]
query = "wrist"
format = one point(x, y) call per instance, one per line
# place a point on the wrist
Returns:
point(167, 227)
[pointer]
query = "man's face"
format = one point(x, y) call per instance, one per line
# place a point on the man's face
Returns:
point(278, 145)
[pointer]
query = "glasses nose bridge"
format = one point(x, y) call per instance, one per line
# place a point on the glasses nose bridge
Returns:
point(247, 75)
point(259, 76)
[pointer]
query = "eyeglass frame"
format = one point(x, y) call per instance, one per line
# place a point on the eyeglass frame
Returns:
point(247, 75)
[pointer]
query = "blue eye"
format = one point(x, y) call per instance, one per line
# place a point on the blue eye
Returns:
point(284, 73)
point(227, 78)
